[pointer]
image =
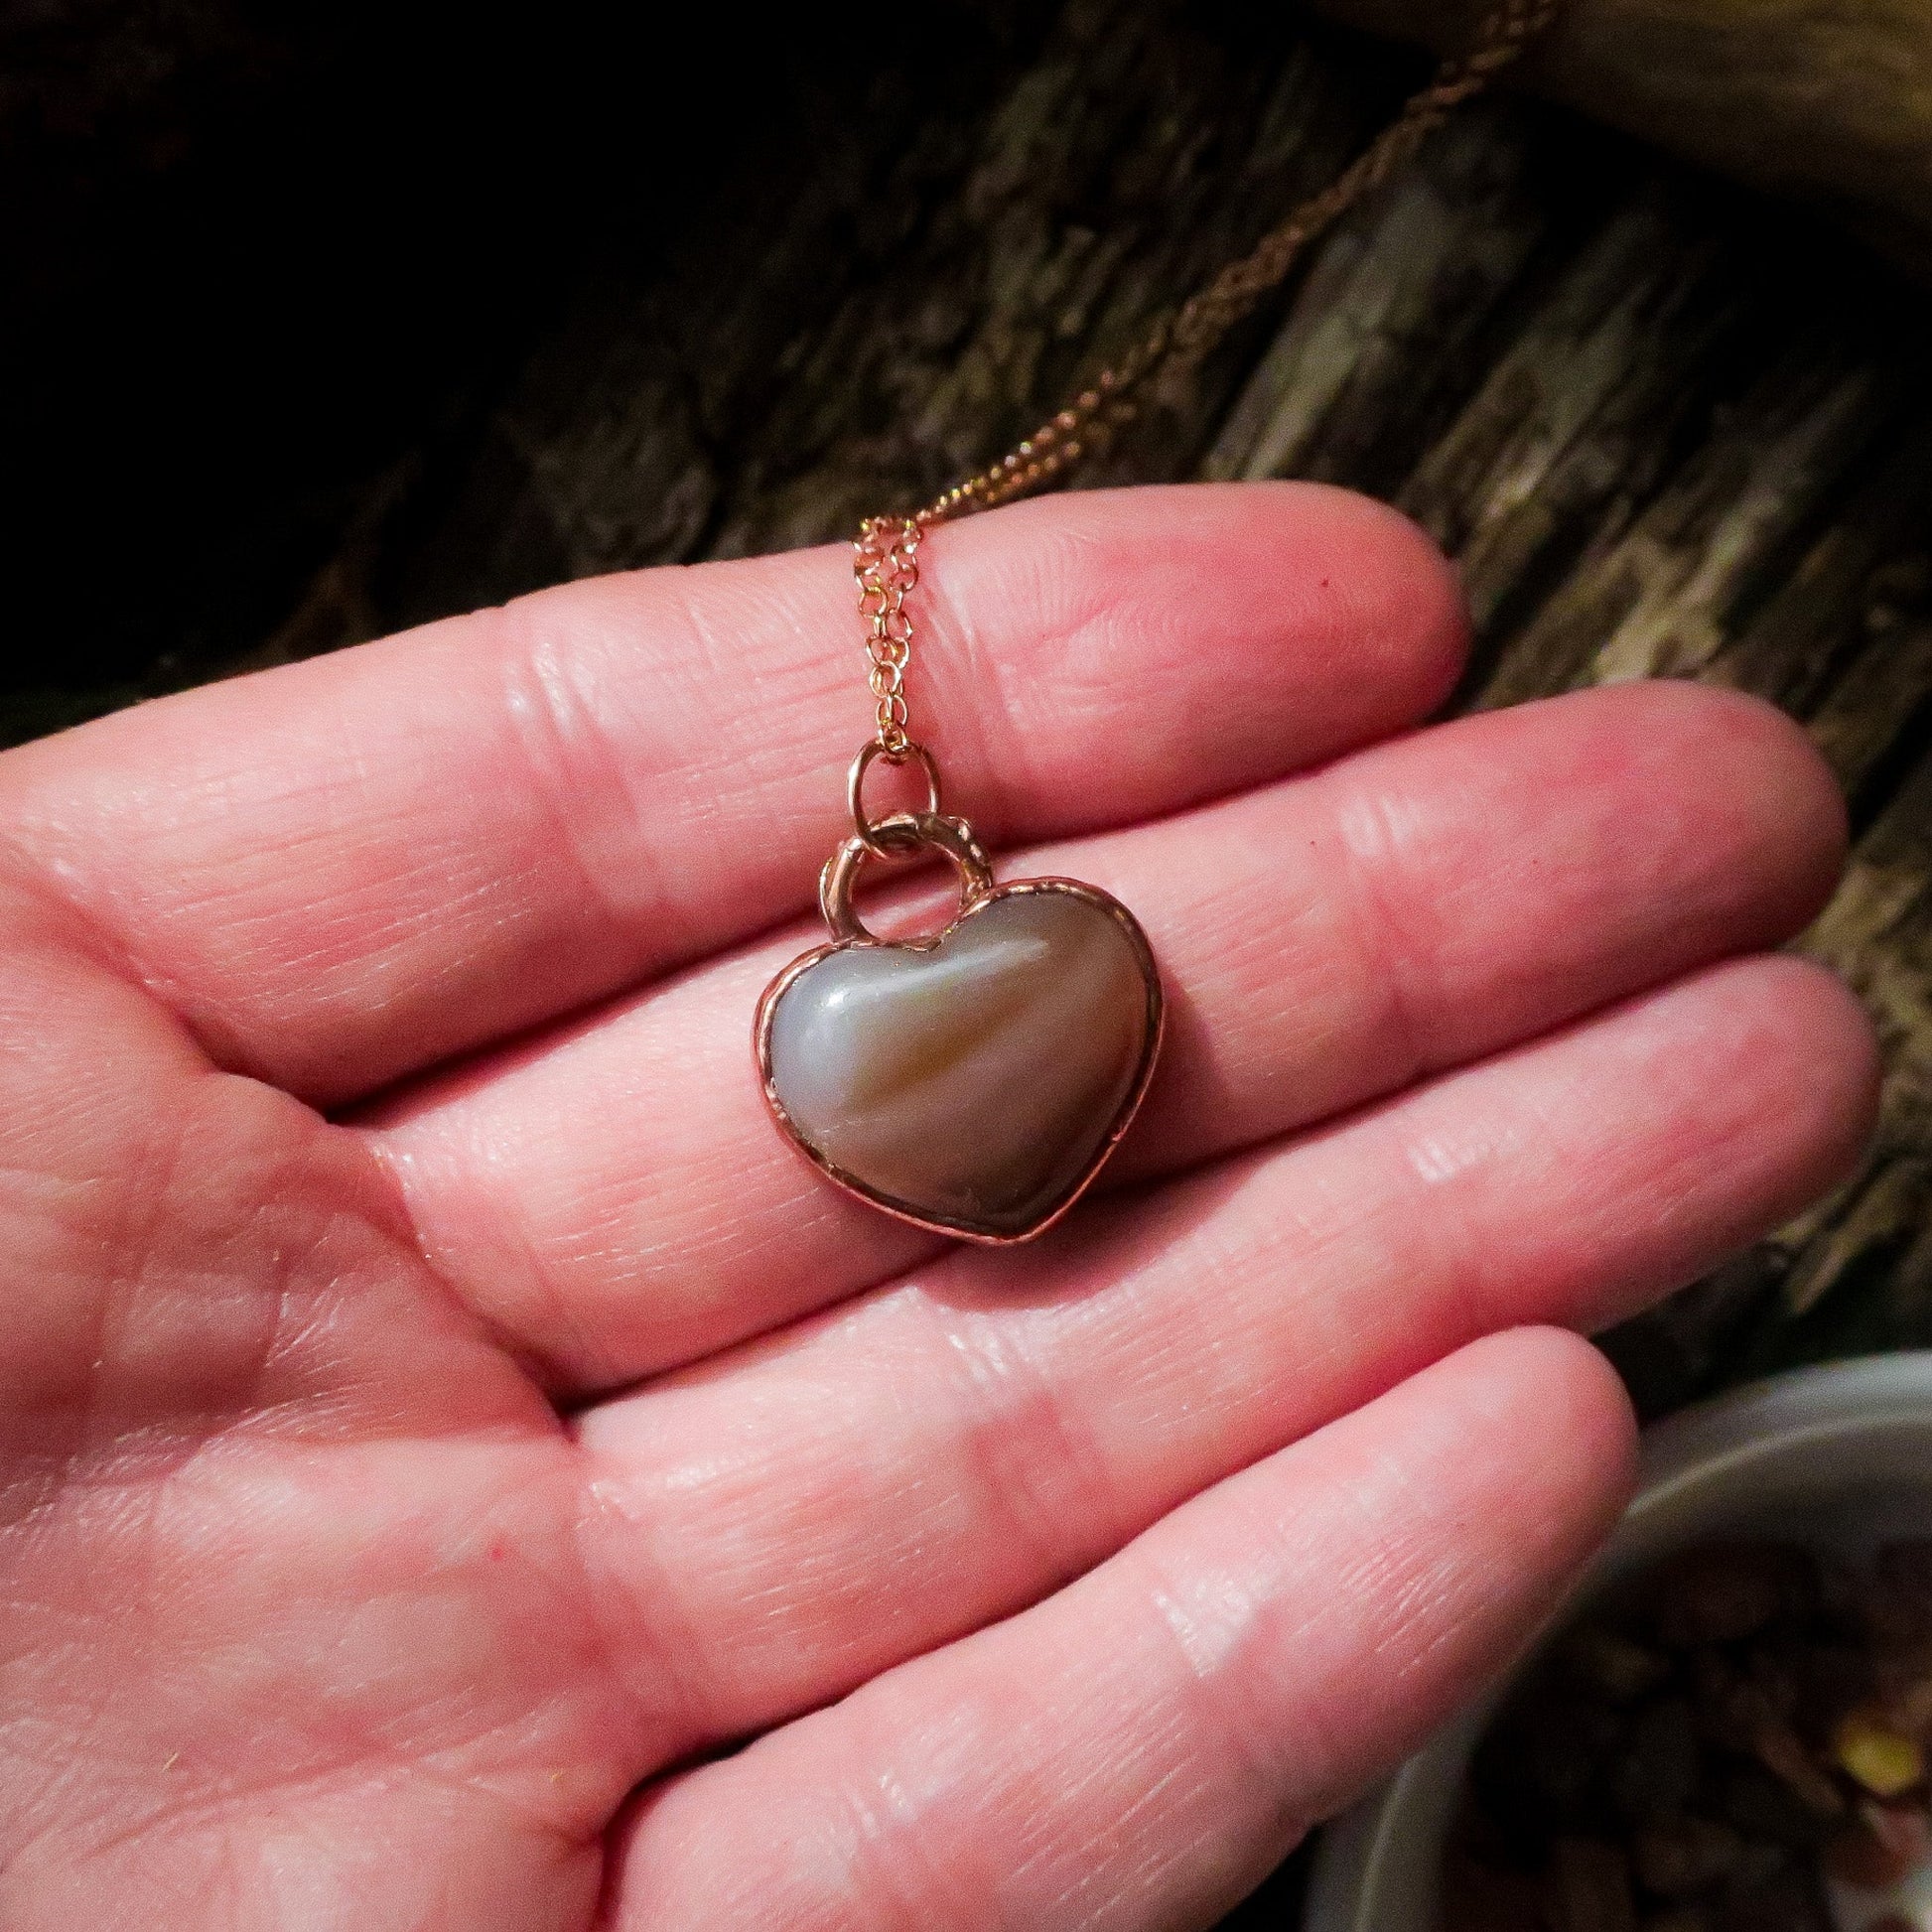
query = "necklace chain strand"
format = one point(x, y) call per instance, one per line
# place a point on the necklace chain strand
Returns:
point(886, 553)
point(949, 1150)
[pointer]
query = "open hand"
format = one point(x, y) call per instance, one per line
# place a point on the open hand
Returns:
point(441, 1422)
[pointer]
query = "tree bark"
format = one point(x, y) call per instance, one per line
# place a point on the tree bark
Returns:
point(1813, 98)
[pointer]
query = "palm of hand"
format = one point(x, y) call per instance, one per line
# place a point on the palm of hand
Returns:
point(1058, 1588)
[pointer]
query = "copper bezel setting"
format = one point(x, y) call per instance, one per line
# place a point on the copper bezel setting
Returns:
point(977, 897)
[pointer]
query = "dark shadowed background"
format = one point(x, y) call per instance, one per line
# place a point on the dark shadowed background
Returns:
point(320, 320)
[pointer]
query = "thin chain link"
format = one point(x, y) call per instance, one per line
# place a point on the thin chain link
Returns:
point(885, 561)
point(886, 553)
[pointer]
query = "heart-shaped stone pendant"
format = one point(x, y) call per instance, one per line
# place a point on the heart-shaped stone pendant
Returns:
point(975, 1082)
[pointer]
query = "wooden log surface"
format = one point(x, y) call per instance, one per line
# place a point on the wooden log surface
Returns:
point(1816, 98)
point(1665, 428)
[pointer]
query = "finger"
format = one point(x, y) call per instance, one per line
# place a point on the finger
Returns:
point(856, 1490)
point(615, 1201)
point(1140, 1750)
point(351, 868)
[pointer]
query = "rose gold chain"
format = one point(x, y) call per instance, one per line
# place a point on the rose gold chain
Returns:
point(886, 553)
point(885, 561)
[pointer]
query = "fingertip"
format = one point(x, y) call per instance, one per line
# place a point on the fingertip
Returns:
point(1386, 584)
point(1756, 783)
point(1415, 594)
point(1831, 1070)
point(1535, 1444)
point(1551, 1385)
point(1444, 1521)
point(1523, 1440)
point(1800, 792)
point(1288, 621)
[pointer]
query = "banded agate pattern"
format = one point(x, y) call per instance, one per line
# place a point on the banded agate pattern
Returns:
point(972, 1082)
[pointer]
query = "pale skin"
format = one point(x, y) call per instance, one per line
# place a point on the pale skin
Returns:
point(462, 1470)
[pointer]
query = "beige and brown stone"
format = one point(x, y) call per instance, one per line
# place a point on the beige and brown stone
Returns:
point(972, 1082)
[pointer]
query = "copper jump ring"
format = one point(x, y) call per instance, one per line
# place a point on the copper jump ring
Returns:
point(898, 843)
point(906, 835)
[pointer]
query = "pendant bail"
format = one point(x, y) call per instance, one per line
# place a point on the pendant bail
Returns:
point(906, 835)
point(893, 844)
